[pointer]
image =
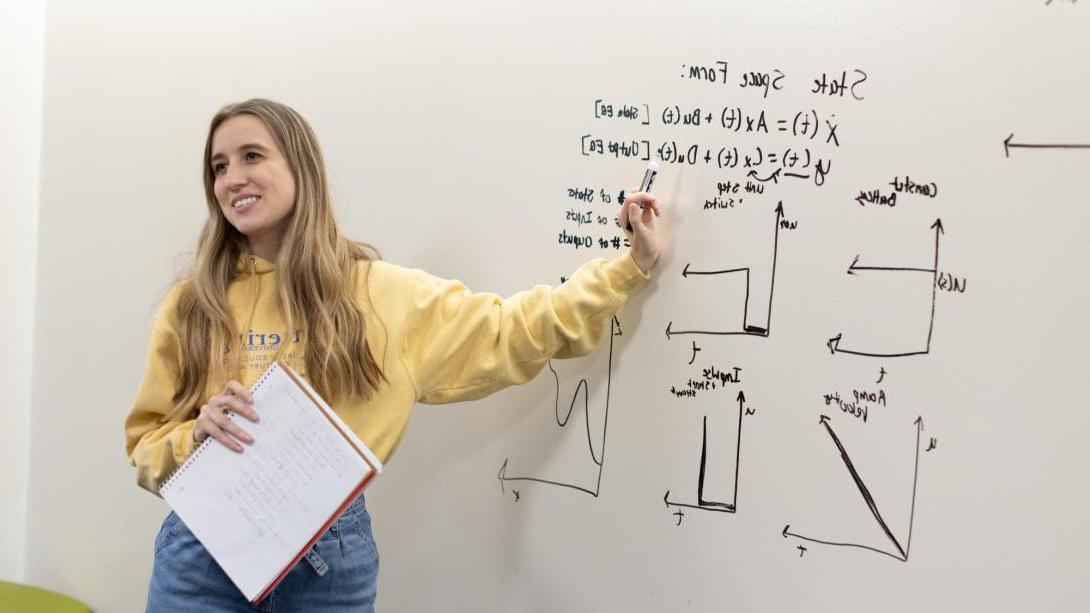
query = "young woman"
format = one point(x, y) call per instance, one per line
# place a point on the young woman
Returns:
point(274, 279)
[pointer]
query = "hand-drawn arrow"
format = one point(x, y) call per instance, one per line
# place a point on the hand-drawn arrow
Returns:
point(774, 177)
point(1008, 145)
point(852, 268)
point(686, 272)
point(502, 474)
point(915, 480)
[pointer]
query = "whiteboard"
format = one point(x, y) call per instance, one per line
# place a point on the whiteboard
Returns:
point(854, 382)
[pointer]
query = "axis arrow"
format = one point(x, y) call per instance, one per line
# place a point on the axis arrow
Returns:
point(852, 268)
point(915, 481)
point(686, 272)
point(503, 475)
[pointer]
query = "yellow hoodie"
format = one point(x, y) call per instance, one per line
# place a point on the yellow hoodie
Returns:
point(434, 340)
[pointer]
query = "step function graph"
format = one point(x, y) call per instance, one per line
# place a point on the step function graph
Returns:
point(587, 478)
point(703, 501)
point(896, 547)
point(754, 321)
point(837, 344)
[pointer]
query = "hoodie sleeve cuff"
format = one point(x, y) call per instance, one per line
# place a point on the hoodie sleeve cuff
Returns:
point(186, 445)
point(624, 274)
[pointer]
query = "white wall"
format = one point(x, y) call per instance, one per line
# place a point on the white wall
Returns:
point(22, 41)
point(452, 131)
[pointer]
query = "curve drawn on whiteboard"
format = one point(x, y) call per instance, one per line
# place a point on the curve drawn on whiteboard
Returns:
point(599, 458)
point(902, 551)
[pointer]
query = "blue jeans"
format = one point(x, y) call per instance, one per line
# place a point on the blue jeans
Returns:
point(338, 574)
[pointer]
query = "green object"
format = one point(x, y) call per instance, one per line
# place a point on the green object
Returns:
point(17, 598)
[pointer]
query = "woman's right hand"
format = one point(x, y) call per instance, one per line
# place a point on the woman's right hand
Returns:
point(212, 422)
point(637, 218)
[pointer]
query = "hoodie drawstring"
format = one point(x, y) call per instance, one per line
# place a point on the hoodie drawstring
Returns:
point(256, 293)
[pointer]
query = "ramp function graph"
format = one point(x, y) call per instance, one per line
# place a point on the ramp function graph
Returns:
point(702, 503)
point(902, 549)
point(762, 326)
point(834, 343)
point(562, 421)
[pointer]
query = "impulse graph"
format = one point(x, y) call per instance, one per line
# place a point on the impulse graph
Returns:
point(702, 503)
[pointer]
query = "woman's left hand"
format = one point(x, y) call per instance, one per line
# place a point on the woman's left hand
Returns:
point(640, 210)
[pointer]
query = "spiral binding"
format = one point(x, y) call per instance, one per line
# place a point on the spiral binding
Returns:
point(207, 441)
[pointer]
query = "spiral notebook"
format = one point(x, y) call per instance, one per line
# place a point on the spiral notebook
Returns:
point(258, 512)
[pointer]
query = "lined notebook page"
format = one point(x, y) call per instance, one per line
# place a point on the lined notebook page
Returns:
point(257, 510)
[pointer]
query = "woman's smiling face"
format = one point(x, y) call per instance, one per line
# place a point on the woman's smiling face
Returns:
point(254, 185)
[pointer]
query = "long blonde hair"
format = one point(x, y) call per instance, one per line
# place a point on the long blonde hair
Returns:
point(317, 271)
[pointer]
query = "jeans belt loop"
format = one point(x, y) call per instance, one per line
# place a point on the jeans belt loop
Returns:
point(316, 561)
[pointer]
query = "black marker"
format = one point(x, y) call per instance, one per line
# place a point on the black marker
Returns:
point(645, 185)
